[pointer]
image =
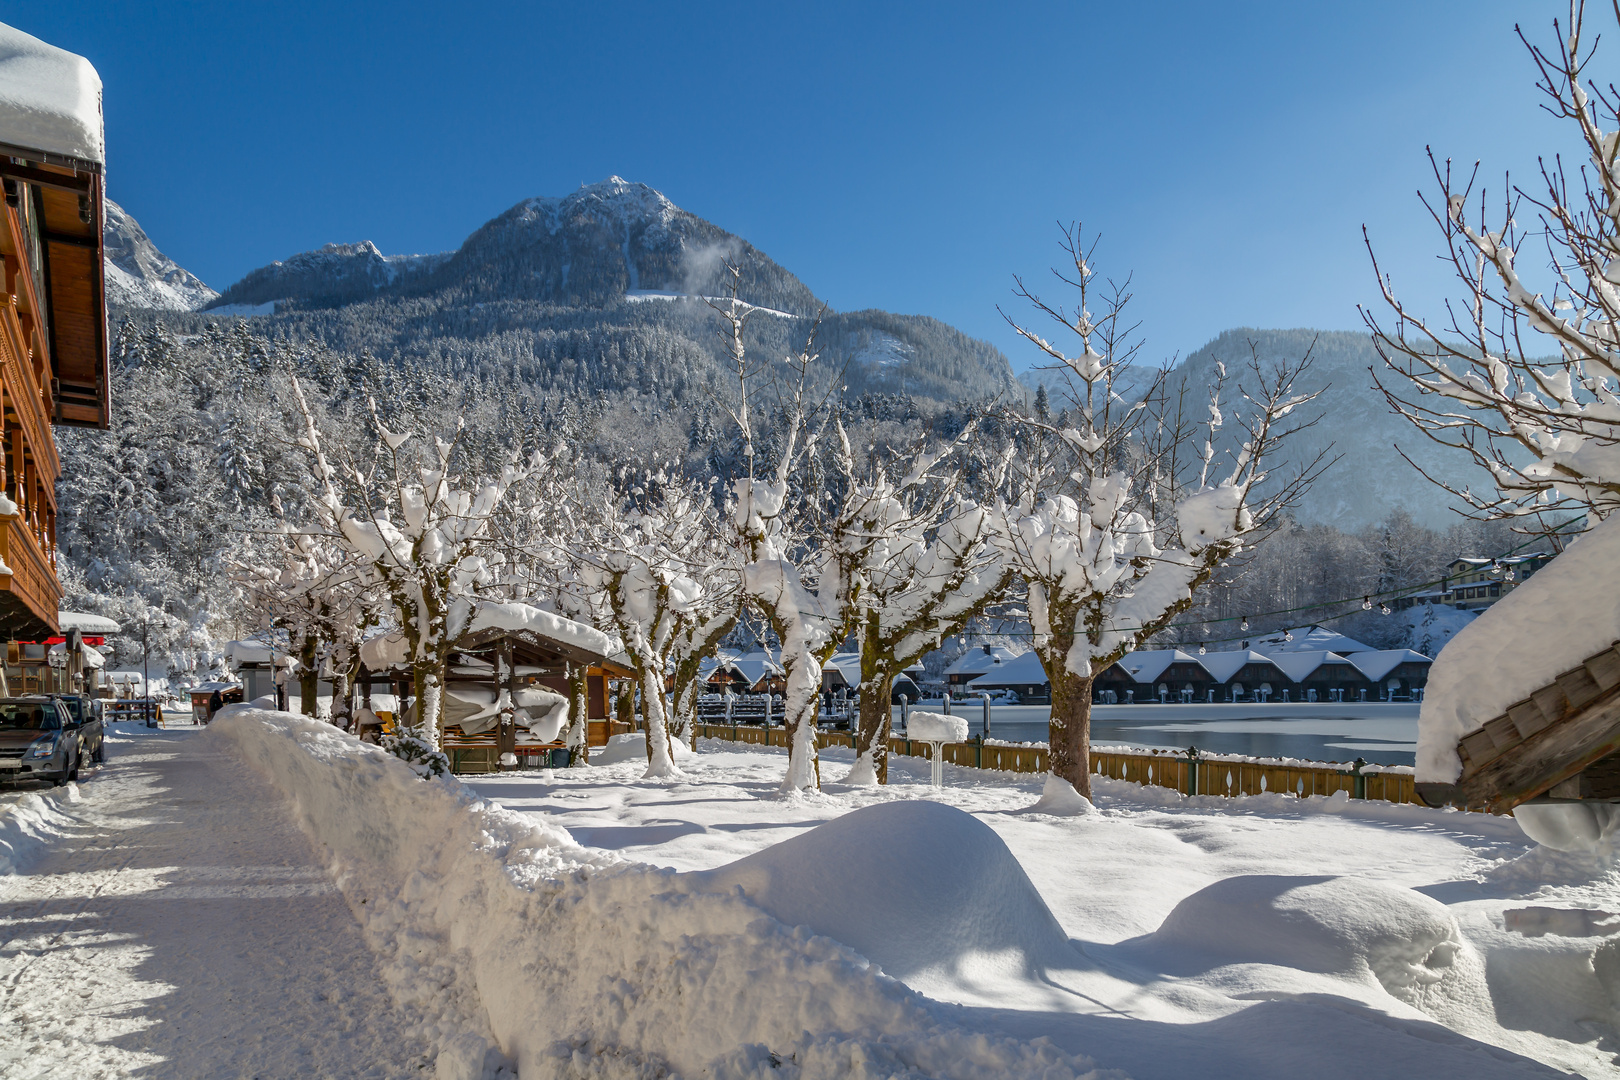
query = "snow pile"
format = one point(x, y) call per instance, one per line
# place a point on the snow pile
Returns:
point(525, 618)
point(932, 727)
point(930, 893)
point(1568, 826)
point(1564, 614)
point(28, 826)
point(575, 963)
point(50, 99)
point(1059, 799)
point(1395, 938)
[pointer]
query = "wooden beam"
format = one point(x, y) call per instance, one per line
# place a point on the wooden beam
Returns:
point(45, 177)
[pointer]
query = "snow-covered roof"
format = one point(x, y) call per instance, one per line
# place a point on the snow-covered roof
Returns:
point(977, 661)
point(1022, 670)
point(57, 657)
point(1146, 665)
point(1562, 614)
point(255, 651)
point(518, 618)
point(85, 623)
point(1299, 666)
point(210, 687)
point(1308, 639)
point(1223, 665)
point(50, 99)
point(1380, 662)
point(849, 666)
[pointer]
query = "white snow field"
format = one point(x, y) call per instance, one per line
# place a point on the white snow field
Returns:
point(588, 923)
point(166, 918)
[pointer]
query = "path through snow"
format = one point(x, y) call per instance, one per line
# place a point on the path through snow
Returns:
point(176, 924)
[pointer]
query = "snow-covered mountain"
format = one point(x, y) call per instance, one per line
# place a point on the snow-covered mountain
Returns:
point(590, 248)
point(141, 276)
point(617, 257)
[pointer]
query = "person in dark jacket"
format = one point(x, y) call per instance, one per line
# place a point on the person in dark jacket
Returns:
point(215, 703)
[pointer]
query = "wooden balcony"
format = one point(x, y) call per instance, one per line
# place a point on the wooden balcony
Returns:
point(29, 593)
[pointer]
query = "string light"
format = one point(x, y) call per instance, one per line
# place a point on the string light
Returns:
point(1383, 609)
point(1244, 625)
point(1288, 635)
point(1201, 648)
point(1366, 603)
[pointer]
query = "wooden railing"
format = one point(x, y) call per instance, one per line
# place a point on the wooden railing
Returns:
point(1176, 769)
point(31, 576)
point(27, 396)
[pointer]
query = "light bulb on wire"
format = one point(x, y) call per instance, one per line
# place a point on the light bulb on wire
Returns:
point(1383, 609)
point(1200, 648)
point(1366, 603)
point(1288, 635)
point(1244, 625)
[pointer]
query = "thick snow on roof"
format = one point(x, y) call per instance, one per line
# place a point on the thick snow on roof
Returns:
point(382, 651)
point(50, 99)
point(1224, 665)
point(976, 661)
point(1310, 639)
point(1563, 614)
point(254, 651)
point(1380, 662)
point(1022, 670)
point(58, 657)
point(525, 617)
point(85, 623)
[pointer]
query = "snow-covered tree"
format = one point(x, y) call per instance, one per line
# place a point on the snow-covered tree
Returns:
point(1547, 429)
point(653, 570)
point(420, 531)
point(770, 553)
point(1115, 521)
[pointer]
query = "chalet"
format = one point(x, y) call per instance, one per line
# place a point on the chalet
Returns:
point(1022, 674)
point(1291, 666)
point(842, 673)
point(53, 320)
point(1476, 584)
point(978, 661)
point(754, 672)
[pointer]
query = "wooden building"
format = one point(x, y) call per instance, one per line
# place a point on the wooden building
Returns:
point(53, 329)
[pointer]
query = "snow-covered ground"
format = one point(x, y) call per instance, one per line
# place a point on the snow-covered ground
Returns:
point(166, 918)
point(1281, 975)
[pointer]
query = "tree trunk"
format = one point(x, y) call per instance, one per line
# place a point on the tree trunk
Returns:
point(346, 671)
point(579, 716)
point(427, 683)
point(1069, 733)
point(660, 756)
point(506, 725)
point(872, 735)
point(308, 675)
point(801, 695)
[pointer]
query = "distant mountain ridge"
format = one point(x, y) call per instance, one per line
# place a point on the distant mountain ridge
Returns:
point(139, 275)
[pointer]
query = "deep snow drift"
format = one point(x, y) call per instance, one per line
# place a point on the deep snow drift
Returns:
point(579, 963)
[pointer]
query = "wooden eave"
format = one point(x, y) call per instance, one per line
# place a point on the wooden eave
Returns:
point(1539, 742)
point(530, 647)
point(75, 299)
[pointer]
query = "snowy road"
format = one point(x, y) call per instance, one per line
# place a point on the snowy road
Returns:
point(177, 924)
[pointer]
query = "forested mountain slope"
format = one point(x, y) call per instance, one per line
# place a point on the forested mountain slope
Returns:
point(600, 290)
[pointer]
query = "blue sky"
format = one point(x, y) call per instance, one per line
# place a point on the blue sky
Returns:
point(906, 157)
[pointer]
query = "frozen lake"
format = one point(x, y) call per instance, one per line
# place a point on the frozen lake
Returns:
point(1382, 734)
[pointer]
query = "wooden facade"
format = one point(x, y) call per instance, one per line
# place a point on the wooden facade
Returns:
point(1560, 743)
point(53, 363)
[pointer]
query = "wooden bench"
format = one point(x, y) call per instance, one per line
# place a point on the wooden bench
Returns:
point(480, 753)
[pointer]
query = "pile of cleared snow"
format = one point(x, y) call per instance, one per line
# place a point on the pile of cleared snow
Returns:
point(50, 99)
point(577, 964)
point(1568, 611)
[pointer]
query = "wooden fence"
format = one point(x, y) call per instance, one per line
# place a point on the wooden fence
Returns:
point(1188, 774)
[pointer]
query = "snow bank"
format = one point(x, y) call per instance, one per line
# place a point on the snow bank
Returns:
point(1546, 626)
point(1060, 799)
point(28, 826)
point(936, 727)
point(576, 963)
point(50, 99)
point(927, 891)
point(1397, 938)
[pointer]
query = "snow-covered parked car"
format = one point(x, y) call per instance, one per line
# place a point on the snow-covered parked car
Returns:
point(39, 740)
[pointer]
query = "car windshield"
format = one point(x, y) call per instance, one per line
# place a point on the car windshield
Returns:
point(28, 716)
